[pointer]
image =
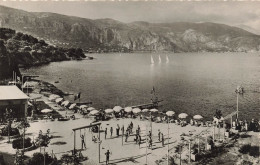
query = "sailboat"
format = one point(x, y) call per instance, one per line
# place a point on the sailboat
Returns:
point(167, 59)
point(160, 60)
point(152, 61)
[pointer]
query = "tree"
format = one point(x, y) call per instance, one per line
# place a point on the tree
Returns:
point(18, 36)
point(67, 159)
point(39, 159)
point(12, 45)
point(3, 52)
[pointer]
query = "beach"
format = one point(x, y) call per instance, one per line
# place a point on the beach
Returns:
point(122, 152)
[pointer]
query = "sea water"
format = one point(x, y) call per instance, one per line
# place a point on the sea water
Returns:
point(194, 83)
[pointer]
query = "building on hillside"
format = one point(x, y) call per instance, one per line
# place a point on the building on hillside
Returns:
point(11, 97)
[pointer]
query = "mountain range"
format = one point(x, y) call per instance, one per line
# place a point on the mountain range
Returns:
point(104, 35)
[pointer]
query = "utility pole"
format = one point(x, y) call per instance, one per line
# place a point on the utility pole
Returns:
point(180, 153)
point(99, 143)
point(189, 150)
point(168, 144)
point(44, 156)
point(237, 105)
point(27, 86)
point(198, 144)
point(146, 145)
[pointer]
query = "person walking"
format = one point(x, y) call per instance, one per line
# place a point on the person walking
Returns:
point(106, 133)
point(111, 131)
point(107, 156)
point(139, 129)
point(83, 144)
point(150, 135)
point(150, 143)
point(159, 135)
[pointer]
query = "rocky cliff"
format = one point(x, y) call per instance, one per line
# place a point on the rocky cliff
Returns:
point(110, 35)
point(18, 49)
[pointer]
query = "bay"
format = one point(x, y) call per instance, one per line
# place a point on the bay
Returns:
point(195, 83)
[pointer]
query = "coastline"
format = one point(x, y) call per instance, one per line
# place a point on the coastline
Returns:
point(158, 155)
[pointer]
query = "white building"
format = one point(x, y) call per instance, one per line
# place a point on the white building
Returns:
point(11, 97)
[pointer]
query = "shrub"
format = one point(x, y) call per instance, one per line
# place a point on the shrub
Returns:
point(38, 159)
point(246, 162)
point(18, 143)
point(12, 131)
point(244, 149)
point(254, 151)
point(67, 159)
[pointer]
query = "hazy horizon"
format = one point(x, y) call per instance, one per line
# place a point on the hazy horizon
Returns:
point(245, 15)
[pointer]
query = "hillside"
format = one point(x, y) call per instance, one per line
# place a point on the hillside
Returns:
point(18, 49)
point(105, 35)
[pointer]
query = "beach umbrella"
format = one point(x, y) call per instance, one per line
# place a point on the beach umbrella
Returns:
point(72, 106)
point(109, 111)
point(128, 109)
point(53, 97)
point(94, 112)
point(65, 103)
point(170, 113)
point(136, 110)
point(197, 117)
point(58, 100)
point(90, 109)
point(117, 108)
point(83, 106)
point(30, 104)
point(145, 110)
point(46, 110)
point(182, 115)
point(154, 110)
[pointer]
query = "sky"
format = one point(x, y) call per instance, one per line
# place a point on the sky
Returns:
point(241, 14)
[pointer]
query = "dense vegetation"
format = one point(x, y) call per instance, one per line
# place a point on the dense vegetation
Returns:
point(18, 49)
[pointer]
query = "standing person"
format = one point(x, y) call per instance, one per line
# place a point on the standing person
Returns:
point(123, 130)
point(126, 136)
point(162, 140)
point(150, 143)
point(82, 142)
point(117, 131)
point(111, 131)
point(90, 127)
point(106, 133)
point(107, 156)
point(140, 141)
point(136, 138)
point(159, 135)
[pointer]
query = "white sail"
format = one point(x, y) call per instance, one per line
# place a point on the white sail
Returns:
point(152, 61)
point(167, 59)
point(160, 60)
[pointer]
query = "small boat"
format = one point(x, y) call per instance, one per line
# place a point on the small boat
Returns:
point(56, 82)
point(240, 90)
point(167, 59)
point(160, 60)
point(152, 61)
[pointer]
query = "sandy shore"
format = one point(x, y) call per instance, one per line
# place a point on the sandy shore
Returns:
point(62, 132)
point(126, 153)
